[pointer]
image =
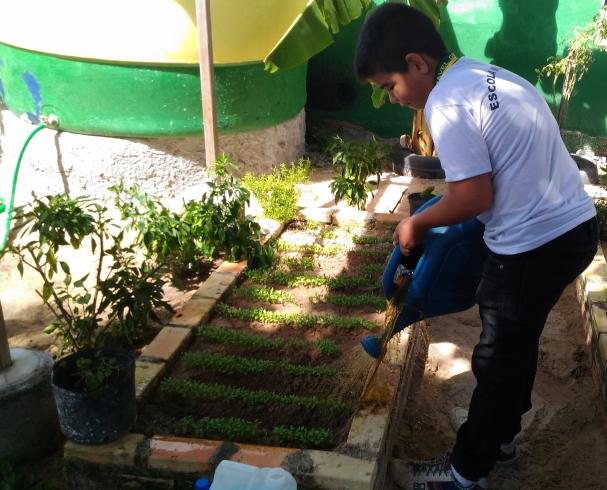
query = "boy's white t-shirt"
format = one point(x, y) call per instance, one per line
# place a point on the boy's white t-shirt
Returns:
point(485, 119)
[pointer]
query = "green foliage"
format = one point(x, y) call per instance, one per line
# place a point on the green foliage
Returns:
point(113, 301)
point(427, 193)
point(293, 280)
point(269, 295)
point(231, 365)
point(212, 226)
point(328, 348)
point(371, 240)
point(234, 337)
point(601, 209)
point(313, 249)
point(163, 234)
point(277, 192)
point(298, 263)
point(302, 436)
point(12, 478)
point(93, 372)
point(376, 301)
point(237, 429)
point(222, 428)
point(296, 320)
point(355, 163)
point(217, 221)
point(215, 392)
point(576, 63)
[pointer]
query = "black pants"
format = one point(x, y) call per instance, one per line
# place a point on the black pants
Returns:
point(515, 295)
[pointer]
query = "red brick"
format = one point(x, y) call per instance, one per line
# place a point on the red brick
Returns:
point(181, 455)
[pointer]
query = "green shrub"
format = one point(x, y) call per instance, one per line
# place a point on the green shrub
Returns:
point(277, 192)
point(115, 299)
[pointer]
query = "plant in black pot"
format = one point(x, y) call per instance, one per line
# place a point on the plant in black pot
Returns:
point(98, 314)
point(416, 199)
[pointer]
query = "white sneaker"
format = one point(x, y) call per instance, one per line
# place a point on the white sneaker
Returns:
point(508, 453)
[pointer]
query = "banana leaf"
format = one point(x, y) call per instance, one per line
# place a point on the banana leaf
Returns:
point(312, 31)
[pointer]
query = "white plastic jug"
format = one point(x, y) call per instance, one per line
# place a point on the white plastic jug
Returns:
point(231, 475)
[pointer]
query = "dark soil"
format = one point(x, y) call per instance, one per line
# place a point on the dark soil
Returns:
point(351, 367)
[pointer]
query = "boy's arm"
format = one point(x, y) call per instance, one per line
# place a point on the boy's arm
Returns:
point(465, 199)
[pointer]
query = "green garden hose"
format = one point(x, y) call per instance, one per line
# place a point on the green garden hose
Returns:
point(3, 207)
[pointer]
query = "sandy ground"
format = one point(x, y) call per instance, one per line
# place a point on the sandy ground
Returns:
point(563, 444)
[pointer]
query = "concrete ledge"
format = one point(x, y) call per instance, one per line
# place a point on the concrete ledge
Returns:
point(167, 344)
point(592, 293)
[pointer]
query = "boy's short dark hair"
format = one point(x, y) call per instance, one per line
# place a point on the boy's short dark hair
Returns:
point(390, 33)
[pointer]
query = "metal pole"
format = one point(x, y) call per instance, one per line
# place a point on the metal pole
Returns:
point(5, 353)
point(207, 86)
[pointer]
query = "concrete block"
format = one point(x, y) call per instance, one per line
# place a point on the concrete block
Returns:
point(147, 375)
point(232, 267)
point(216, 285)
point(121, 452)
point(167, 344)
point(195, 312)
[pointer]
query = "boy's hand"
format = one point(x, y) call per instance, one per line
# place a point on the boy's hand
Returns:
point(407, 235)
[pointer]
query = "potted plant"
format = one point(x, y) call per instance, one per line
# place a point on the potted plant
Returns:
point(93, 383)
point(356, 162)
point(416, 199)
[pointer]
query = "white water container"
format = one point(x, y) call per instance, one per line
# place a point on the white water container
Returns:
point(231, 475)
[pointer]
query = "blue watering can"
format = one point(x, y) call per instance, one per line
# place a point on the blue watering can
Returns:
point(444, 275)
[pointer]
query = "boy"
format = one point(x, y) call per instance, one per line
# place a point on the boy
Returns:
point(506, 164)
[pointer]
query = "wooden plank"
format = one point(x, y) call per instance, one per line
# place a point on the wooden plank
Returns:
point(5, 353)
point(207, 85)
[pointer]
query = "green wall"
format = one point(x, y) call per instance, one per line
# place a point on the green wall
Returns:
point(516, 34)
point(142, 100)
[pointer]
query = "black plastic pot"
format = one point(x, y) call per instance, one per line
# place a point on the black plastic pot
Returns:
point(98, 416)
point(588, 171)
point(416, 200)
point(420, 166)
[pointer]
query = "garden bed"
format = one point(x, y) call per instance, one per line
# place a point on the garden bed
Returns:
point(280, 361)
point(272, 375)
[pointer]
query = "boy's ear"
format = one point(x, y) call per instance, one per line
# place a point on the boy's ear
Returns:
point(418, 62)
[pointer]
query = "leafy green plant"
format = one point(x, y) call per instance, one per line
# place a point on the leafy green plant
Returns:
point(93, 372)
point(213, 392)
point(238, 429)
point(297, 320)
point(303, 436)
point(355, 163)
point(113, 301)
point(163, 234)
point(235, 337)
point(576, 63)
point(328, 348)
point(230, 428)
point(217, 221)
point(268, 295)
point(426, 193)
point(377, 302)
point(371, 240)
point(231, 365)
point(314, 248)
point(293, 279)
point(212, 226)
point(277, 192)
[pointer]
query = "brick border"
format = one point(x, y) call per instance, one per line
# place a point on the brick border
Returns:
point(338, 216)
point(137, 461)
point(591, 289)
